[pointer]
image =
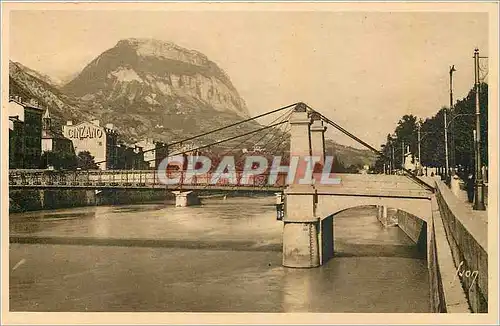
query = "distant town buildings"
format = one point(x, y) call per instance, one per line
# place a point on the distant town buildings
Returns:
point(408, 160)
point(187, 148)
point(32, 132)
point(258, 148)
point(154, 152)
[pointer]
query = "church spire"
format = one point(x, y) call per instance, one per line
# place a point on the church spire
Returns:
point(46, 120)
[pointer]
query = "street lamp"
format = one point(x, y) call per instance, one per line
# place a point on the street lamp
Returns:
point(446, 145)
point(479, 184)
point(452, 140)
point(402, 154)
point(460, 115)
point(391, 153)
point(418, 140)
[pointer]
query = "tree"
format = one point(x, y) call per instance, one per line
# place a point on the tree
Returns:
point(432, 146)
point(58, 160)
point(406, 133)
point(432, 141)
point(464, 125)
point(86, 161)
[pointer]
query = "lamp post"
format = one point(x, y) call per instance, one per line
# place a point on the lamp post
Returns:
point(402, 154)
point(446, 146)
point(392, 161)
point(479, 184)
point(394, 137)
point(452, 129)
point(418, 140)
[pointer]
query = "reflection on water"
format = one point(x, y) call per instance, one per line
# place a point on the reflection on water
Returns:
point(156, 257)
point(230, 219)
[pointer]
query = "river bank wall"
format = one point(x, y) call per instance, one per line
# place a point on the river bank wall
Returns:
point(34, 200)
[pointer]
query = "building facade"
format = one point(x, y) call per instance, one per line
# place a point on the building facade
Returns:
point(26, 133)
point(154, 152)
point(98, 140)
point(52, 139)
point(16, 142)
point(129, 157)
point(104, 145)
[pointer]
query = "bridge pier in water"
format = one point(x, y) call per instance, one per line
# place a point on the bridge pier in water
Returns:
point(186, 198)
point(307, 239)
point(384, 217)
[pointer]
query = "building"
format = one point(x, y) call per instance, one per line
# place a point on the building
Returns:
point(189, 148)
point(408, 160)
point(148, 149)
point(129, 157)
point(16, 142)
point(258, 148)
point(52, 139)
point(100, 141)
point(161, 152)
point(25, 119)
point(154, 152)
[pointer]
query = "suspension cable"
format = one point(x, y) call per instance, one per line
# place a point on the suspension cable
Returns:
point(284, 118)
point(336, 126)
point(212, 131)
point(222, 141)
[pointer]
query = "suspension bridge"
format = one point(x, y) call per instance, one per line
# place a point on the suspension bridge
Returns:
point(275, 136)
point(434, 218)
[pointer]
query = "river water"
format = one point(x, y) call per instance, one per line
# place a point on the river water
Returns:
point(223, 256)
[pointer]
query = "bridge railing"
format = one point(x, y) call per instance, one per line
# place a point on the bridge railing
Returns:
point(132, 178)
point(467, 235)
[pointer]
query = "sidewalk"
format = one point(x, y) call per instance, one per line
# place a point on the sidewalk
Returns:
point(462, 196)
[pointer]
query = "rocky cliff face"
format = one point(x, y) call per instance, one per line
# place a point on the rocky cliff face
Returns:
point(146, 87)
point(29, 84)
point(152, 75)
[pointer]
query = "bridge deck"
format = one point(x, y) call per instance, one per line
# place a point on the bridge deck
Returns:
point(129, 179)
point(350, 185)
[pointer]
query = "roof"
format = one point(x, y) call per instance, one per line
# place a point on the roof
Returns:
point(25, 104)
point(15, 118)
point(53, 134)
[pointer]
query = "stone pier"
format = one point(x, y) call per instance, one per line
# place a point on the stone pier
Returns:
point(186, 198)
point(384, 218)
point(300, 228)
point(307, 239)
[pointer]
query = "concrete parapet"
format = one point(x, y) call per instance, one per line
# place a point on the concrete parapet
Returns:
point(414, 227)
point(446, 294)
point(467, 238)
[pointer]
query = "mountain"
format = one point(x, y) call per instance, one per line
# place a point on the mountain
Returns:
point(144, 84)
point(24, 82)
point(350, 156)
point(148, 89)
point(41, 76)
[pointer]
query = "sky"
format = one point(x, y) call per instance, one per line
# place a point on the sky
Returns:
point(363, 70)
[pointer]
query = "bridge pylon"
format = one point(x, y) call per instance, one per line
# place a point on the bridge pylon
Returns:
point(302, 237)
